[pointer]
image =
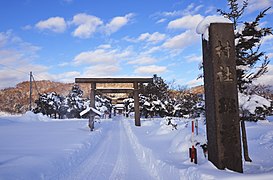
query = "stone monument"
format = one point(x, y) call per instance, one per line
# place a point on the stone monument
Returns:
point(221, 97)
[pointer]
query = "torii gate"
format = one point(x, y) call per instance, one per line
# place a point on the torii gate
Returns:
point(135, 89)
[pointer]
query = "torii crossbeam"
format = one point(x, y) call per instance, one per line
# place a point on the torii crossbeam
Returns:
point(134, 81)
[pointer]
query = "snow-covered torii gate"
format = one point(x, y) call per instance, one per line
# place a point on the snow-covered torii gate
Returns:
point(135, 90)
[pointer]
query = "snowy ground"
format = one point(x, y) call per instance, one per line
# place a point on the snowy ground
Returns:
point(36, 147)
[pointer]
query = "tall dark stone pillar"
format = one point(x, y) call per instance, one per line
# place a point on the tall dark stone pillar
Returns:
point(221, 96)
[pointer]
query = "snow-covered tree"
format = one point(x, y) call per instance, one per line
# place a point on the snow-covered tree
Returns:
point(129, 105)
point(188, 104)
point(253, 107)
point(66, 107)
point(103, 104)
point(156, 89)
point(251, 61)
point(48, 104)
point(73, 104)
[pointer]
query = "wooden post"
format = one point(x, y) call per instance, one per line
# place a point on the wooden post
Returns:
point(30, 90)
point(92, 105)
point(244, 140)
point(221, 96)
point(136, 104)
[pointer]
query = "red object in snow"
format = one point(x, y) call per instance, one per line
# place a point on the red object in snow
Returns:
point(192, 150)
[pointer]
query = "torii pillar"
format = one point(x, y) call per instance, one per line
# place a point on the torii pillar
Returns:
point(136, 104)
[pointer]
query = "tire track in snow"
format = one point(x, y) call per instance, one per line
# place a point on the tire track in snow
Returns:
point(112, 158)
point(121, 166)
point(93, 166)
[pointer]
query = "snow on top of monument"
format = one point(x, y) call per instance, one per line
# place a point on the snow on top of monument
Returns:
point(202, 27)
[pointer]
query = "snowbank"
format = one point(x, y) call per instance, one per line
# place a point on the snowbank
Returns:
point(30, 116)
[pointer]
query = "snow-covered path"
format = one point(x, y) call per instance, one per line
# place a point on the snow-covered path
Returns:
point(113, 158)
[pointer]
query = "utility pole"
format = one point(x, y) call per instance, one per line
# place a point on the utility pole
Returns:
point(30, 89)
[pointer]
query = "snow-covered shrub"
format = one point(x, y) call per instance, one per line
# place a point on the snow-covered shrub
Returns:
point(187, 106)
point(48, 104)
point(253, 107)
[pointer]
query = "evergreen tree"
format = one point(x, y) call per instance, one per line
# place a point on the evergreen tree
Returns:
point(157, 89)
point(74, 102)
point(248, 39)
point(48, 104)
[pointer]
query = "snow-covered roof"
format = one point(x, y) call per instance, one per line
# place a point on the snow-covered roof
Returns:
point(88, 109)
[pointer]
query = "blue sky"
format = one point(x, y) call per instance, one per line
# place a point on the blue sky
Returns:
point(62, 39)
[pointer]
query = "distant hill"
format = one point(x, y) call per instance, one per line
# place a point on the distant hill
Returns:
point(197, 90)
point(16, 99)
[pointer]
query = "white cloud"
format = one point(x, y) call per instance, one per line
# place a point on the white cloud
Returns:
point(55, 24)
point(153, 50)
point(4, 36)
point(67, 77)
point(27, 27)
point(87, 25)
point(267, 38)
point(193, 58)
point(103, 54)
point(117, 22)
point(18, 58)
point(96, 56)
point(182, 40)
point(105, 46)
point(15, 67)
point(210, 9)
point(151, 69)
point(266, 79)
point(186, 22)
point(161, 20)
point(190, 9)
point(195, 82)
point(254, 5)
point(143, 60)
point(12, 74)
point(101, 70)
point(152, 38)
point(64, 64)
point(13, 45)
